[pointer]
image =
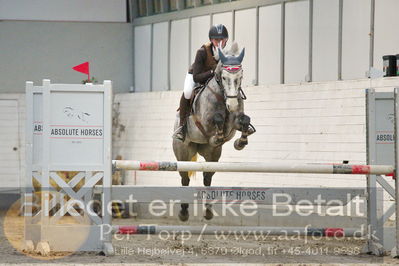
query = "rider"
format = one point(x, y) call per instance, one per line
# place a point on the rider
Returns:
point(200, 72)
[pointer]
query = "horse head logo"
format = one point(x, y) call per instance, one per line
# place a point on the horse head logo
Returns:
point(73, 113)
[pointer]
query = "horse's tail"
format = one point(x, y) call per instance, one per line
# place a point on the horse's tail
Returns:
point(193, 173)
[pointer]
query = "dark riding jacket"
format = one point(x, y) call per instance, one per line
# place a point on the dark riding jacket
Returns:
point(204, 64)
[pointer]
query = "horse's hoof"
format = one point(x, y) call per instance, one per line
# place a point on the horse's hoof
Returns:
point(208, 214)
point(183, 215)
point(237, 145)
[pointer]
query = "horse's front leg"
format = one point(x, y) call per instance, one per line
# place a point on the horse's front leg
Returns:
point(218, 138)
point(243, 124)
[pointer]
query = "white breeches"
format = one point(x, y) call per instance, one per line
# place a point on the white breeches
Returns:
point(189, 85)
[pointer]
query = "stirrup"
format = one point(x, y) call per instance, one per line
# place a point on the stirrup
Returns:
point(179, 134)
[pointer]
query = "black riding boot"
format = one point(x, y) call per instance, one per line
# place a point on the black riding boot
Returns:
point(184, 111)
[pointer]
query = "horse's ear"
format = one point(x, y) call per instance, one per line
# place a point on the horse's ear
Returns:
point(221, 56)
point(241, 56)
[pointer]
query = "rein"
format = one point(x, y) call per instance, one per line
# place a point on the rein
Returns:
point(219, 97)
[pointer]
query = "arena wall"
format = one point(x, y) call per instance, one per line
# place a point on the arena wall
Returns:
point(299, 123)
point(35, 50)
point(12, 141)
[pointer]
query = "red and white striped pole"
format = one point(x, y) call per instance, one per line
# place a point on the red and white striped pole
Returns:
point(256, 230)
point(255, 167)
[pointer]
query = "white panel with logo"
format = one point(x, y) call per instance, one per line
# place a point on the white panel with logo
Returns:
point(68, 153)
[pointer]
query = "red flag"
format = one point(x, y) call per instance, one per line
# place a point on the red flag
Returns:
point(83, 68)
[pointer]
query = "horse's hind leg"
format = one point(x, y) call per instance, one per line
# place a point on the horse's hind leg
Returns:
point(184, 152)
point(185, 181)
point(211, 154)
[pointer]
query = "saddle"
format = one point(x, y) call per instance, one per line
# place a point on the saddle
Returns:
point(194, 97)
point(196, 92)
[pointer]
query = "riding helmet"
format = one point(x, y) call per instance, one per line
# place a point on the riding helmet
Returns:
point(218, 31)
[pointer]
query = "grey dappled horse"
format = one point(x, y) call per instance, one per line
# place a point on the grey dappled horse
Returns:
point(218, 111)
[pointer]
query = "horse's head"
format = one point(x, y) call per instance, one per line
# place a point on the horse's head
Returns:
point(231, 76)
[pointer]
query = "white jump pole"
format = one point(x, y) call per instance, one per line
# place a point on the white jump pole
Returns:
point(256, 230)
point(255, 167)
